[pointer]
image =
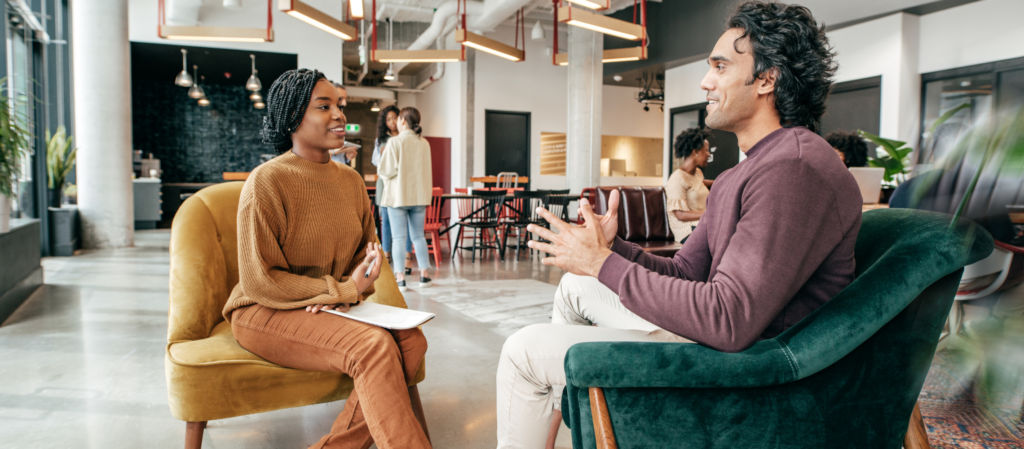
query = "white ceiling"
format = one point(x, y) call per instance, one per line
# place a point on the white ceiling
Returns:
point(831, 12)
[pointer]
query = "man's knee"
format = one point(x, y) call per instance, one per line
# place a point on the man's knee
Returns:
point(519, 344)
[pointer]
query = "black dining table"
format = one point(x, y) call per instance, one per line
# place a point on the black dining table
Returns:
point(470, 197)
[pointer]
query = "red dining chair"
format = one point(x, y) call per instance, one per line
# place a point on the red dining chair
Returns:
point(432, 227)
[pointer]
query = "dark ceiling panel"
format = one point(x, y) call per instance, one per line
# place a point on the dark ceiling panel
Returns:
point(161, 62)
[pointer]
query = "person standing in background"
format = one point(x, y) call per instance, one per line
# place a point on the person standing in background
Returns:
point(850, 147)
point(387, 127)
point(408, 186)
point(347, 153)
point(686, 190)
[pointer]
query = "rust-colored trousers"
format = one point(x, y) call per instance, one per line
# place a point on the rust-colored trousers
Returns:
point(382, 363)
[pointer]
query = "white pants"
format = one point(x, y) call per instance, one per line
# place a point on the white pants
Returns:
point(531, 371)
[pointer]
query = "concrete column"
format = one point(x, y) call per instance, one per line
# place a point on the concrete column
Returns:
point(583, 141)
point(468, 88)
point(103, 122)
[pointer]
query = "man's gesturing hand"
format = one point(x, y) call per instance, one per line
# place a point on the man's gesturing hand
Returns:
point(609, 221)
point(577, 249)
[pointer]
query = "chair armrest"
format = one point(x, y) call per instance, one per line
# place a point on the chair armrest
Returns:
point(677, 365)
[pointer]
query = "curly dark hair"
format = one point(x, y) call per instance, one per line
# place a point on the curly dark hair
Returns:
point(286, 105)
point(688, 141)
point(789, 44)
point(852, 145)
point(383, 133)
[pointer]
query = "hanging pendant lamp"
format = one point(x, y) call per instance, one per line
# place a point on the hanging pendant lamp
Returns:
point(259, 105)
point(196, 91)
point(375, 107)
point(256, 97)
point(253, 83)
point(183, 79)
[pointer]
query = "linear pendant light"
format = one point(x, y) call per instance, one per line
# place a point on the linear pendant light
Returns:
point(216, 34)
point(491, 46)
point(417, 55)
point(597, 5)
point(601, 24)
point(614, 55)
point(315, 17)
point(356, 9)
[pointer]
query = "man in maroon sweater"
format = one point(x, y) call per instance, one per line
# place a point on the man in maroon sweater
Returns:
point(775, 243)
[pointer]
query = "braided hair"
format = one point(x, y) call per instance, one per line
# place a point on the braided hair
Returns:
point(286, 105)
point(688, 141)
point(383, 133)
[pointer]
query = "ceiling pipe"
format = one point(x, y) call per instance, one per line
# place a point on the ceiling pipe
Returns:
point(439, 73)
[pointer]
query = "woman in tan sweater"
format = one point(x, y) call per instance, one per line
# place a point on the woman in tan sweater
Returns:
point(306, 243)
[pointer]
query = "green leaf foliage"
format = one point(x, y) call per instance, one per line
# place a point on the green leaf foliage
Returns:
point(896, 161)
point(14, 142)
point(60, 157)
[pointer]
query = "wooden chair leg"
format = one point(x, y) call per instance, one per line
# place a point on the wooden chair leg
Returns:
point(602, 421)
point(417, 409)
point(917, 434)
point(194, 434)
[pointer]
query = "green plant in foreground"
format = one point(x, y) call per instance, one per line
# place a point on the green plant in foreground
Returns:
point(14, 139)
point(60, 157)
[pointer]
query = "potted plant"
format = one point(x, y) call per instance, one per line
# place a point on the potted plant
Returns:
point(14, 139)
point(60, 160)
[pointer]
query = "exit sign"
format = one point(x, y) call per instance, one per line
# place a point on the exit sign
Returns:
point(351, 128)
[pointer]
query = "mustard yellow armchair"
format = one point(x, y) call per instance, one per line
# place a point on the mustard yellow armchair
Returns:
point(209, 375)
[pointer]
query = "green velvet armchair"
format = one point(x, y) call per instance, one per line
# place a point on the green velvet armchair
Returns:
point(847, 376)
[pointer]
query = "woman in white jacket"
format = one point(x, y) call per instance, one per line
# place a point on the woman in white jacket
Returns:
point(406, 170)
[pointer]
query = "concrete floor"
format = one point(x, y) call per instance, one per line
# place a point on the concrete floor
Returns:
point(83, 360)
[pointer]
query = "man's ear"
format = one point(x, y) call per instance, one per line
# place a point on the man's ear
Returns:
point(766, 82)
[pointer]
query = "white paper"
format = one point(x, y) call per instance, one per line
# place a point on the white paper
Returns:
point(388, 317)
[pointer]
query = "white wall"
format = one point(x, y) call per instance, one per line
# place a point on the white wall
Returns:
point(888, 47)
point(316, 49)
point(975, 33)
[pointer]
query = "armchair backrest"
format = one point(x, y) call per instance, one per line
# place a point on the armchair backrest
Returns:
point(643, 212)
point(204, 263)
point(899, 255)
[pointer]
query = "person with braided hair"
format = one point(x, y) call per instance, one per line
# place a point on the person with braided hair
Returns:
point(686, 189)
point(306, 243)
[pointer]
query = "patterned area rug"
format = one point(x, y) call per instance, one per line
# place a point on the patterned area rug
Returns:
point(509, 304)
point(967, 406)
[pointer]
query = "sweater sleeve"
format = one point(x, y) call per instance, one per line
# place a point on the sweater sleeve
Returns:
point(785, 217)
point(263, 270)
point(388, 167)
point(369, 235)
point(692, 261)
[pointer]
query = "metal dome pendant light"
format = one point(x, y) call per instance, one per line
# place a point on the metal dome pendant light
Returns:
point(253, 83)
point(183, 79)
point(389, 77)
point(255, 97)
point(203, 101)
point(196, 91)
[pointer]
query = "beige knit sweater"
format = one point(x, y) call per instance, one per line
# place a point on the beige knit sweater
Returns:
point(406, 168)
point(302, 228)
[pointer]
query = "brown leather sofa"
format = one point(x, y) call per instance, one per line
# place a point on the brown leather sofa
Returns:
point(643, 217)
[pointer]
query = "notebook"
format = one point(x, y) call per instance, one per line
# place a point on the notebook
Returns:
point(388, 317)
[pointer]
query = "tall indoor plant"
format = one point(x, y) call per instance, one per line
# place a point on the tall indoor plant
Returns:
point(14, 139)
point(60, 160)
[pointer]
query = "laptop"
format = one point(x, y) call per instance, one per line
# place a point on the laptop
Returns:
point(869, 179)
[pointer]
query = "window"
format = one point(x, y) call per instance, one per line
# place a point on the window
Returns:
point(986, 88)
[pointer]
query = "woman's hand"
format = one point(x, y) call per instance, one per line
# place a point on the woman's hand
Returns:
point(364, 275)
point(338, 307)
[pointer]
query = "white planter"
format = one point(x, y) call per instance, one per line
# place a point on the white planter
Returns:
point(5, 214)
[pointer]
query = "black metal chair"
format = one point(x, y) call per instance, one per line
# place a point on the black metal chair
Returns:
point(488, 216)
point(557, 202)
point(525, 204)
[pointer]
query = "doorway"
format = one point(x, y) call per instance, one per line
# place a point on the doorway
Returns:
point(507, 143)
point(725, 149)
